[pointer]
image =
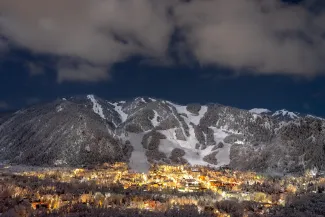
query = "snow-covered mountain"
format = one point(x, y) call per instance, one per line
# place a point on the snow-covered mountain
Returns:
point(89, 130)
point(282, 114)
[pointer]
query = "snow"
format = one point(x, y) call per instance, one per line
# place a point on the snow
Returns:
point(192, 137)
point(267, 125)
point(192, 155)
point(154, 121)
point(312, 116)
point(219, 134)
point(284, 112)
point(59, 108)
point(60, 162)
point(195, 119)
point(96, 106)
point(87, 148)
point(255, 116)
point(142, 100)
point(259, 111)
point(138, 160)
point(223, 155)
point(120, 111)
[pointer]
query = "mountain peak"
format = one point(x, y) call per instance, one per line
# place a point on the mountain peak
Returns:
point(259, 111)
point(96, 106)
point(286, 114)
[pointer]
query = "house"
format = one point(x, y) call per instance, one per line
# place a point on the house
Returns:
point(38, 205)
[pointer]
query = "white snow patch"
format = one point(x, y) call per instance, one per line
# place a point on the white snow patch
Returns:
point(59, 109)
point(259, 111)
point(60, 162)
point(138, 161)
point(142, 100)
point(219, 134)
point(255, 116)
point(314, 171)
point(195, 119)
point(192, 139)
point(312, 116)
point(96, 106)
point(284, 112)
point(223, 155)
point(154, 121)
point(87, 148)
point(120, 111)
point(64, 99)
point(153, 100)
point(267, 125)
point(192, 155)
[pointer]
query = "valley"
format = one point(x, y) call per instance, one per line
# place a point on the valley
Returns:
point(29, 191)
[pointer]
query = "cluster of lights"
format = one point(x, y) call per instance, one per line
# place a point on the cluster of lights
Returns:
point(224, 183)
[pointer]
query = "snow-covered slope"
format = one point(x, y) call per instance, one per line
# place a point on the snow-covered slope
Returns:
point(259, 111)
point(283, 113)
point(90, 130)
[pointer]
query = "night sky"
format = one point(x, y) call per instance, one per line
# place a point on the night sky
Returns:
point(181, 82)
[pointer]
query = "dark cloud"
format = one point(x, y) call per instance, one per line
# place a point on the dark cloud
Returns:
point(261, 36)
point(81, 72)
point(99, 32)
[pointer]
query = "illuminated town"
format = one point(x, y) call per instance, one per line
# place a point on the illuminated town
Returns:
point(164, 187)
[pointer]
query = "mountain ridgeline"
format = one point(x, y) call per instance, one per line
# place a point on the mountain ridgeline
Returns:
point(88, 130)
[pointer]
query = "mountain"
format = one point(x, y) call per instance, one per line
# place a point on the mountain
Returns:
point(88, 130)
